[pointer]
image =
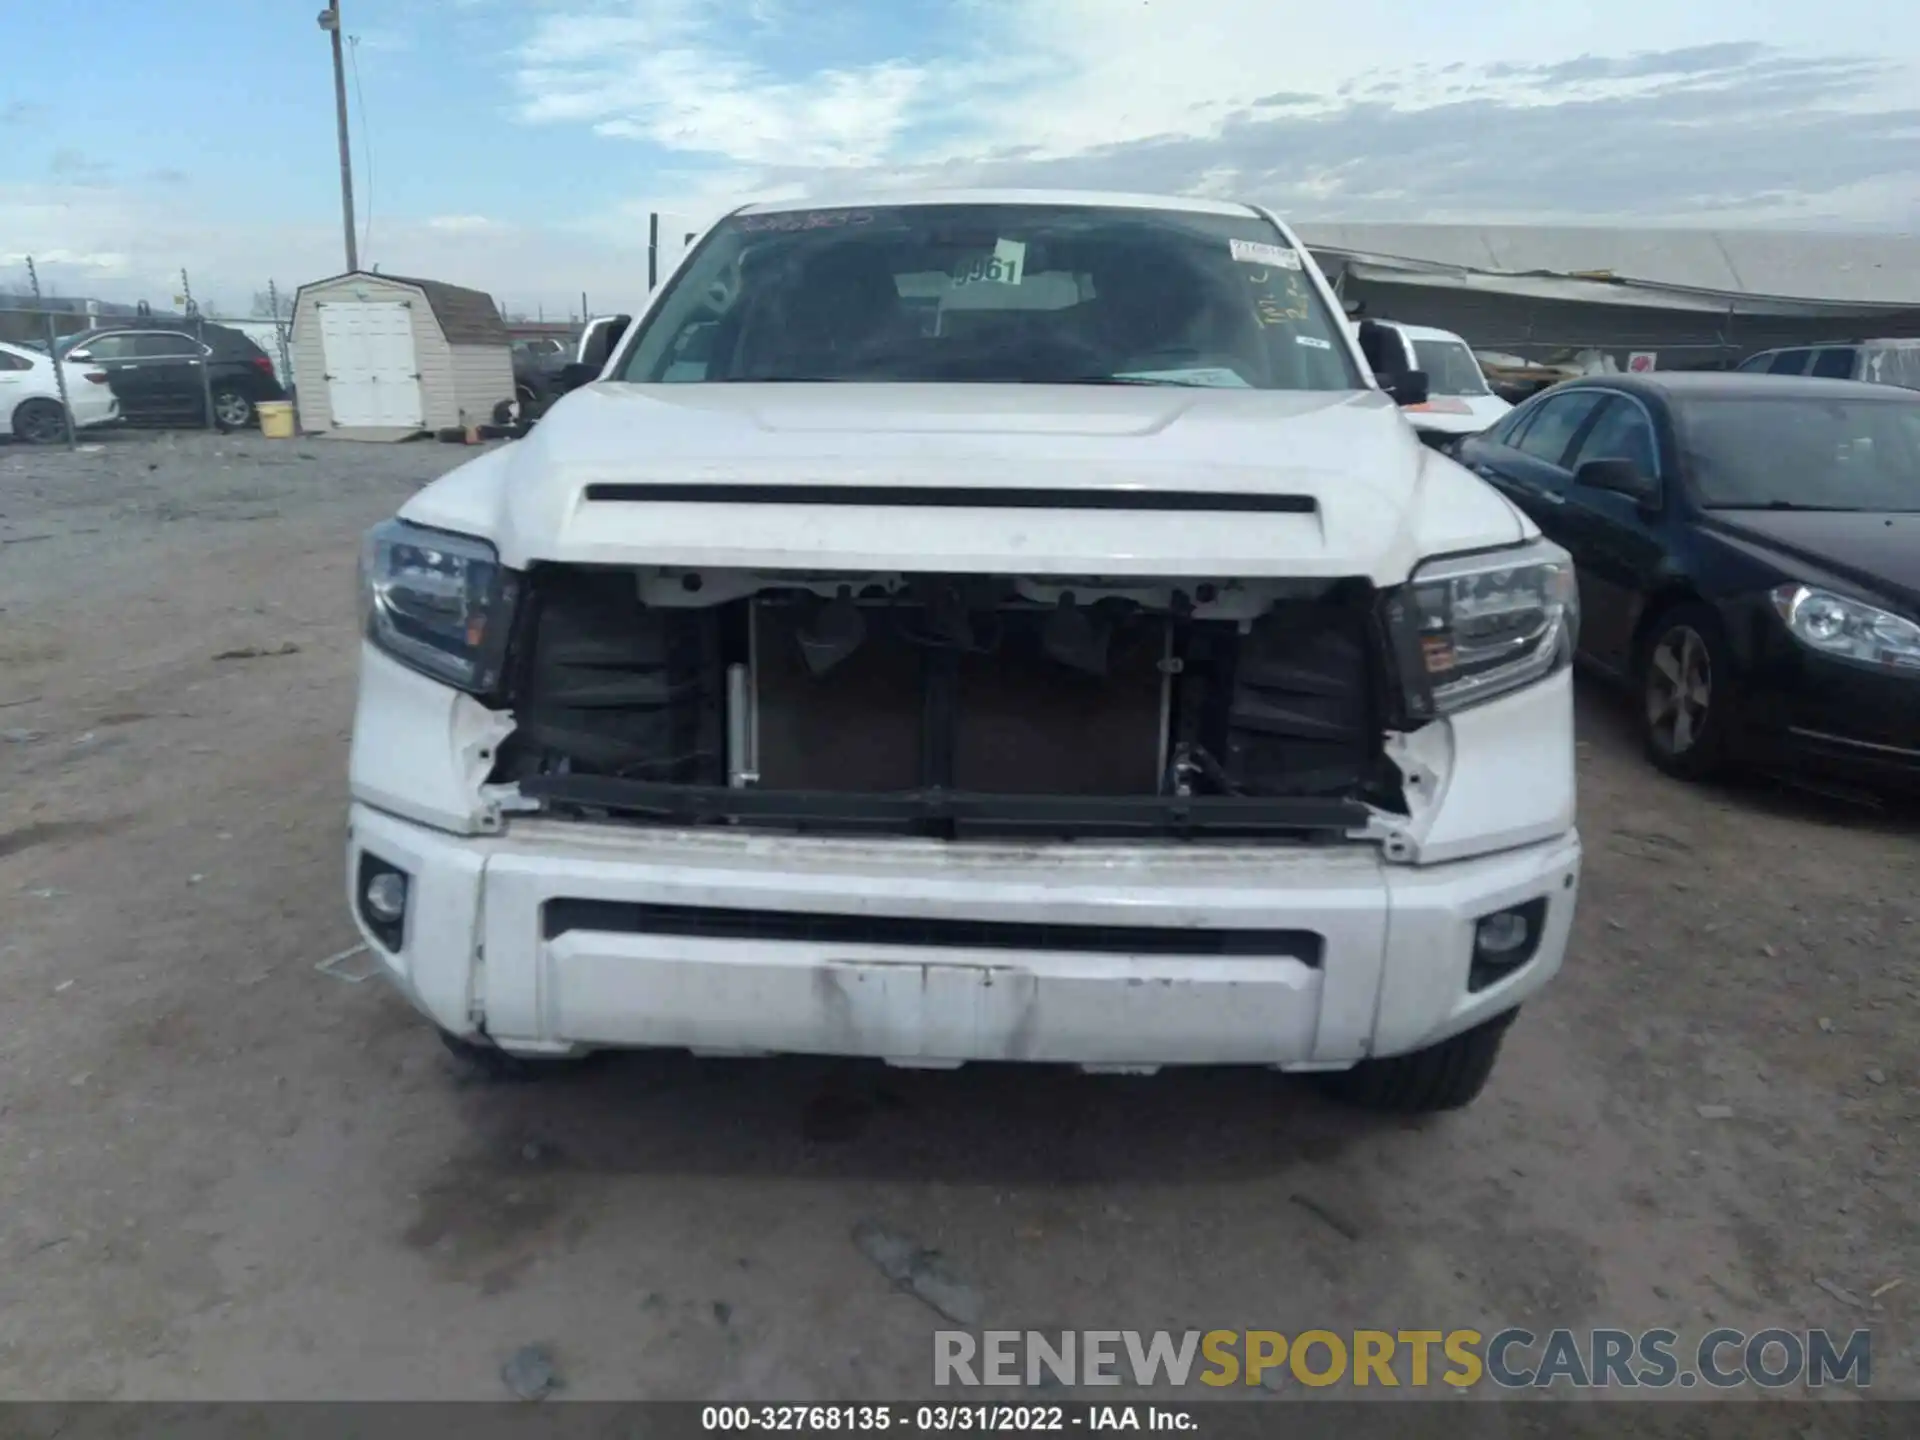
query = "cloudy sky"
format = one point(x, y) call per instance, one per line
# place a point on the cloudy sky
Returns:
point(518, 145)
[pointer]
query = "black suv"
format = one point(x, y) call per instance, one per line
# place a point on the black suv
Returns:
point(163, 375)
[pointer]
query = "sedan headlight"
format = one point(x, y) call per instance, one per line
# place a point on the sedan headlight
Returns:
point(1850, 629)
point(1469, 627)
point(440, 602)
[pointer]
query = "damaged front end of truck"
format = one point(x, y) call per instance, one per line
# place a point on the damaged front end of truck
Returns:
point(1051, 707)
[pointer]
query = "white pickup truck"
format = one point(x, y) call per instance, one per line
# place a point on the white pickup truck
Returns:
point(1459, 400)
point(980, 626)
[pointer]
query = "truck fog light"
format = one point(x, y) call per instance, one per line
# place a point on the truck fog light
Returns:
point(1495, 937)
point(387, 896)
point(1504, 941)
point(381, 891)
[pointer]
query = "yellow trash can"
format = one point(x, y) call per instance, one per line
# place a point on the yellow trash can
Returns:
point(276, 419)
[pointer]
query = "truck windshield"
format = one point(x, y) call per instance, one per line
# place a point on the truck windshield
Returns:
point(1450, 366)
point(1017, 294)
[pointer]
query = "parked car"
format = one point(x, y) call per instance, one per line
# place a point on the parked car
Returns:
point(156, 372)
point(30, 396)
point(1103, 673)
point(1748, 549)
point(1877, 362)
point(1459, 399)
point(537, 364)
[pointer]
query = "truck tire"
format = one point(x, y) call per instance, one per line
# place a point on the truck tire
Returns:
point(490, 1063)
point(1446, 1076)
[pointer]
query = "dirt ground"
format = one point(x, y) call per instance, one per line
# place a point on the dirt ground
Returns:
point(230, 1175)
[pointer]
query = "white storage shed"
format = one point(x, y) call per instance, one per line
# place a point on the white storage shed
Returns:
point(388, 356)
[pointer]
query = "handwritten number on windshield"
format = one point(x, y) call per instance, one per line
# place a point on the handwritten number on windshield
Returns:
point(1272, 309)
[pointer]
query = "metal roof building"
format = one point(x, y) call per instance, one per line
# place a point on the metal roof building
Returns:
point(1697, 297)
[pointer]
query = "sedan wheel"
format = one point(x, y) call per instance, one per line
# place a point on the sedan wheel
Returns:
point(232, 409)
point(40, 422)
point(1679, 690)
point(1687, 698)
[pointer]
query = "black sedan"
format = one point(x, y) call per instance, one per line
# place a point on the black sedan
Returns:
point(1748, 552)
point(162, 375)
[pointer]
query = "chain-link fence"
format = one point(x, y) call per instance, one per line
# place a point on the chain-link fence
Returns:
point(178, 363)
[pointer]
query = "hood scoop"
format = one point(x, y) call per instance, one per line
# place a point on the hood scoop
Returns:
point(955, 497)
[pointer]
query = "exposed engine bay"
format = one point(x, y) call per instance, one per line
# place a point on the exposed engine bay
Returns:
point(951, 705)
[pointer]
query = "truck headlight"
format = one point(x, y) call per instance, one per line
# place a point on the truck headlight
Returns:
point(1469, 627)
point(1850, 629)
point(439, 602)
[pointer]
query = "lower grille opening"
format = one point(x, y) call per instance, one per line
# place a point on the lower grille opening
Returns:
point(703, 922)
point(951, 706)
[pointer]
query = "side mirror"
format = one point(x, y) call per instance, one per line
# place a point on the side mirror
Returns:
point(600, 344)
point(1408, 387)
point(1622, 477)
point(575, 374)
point(78, 357)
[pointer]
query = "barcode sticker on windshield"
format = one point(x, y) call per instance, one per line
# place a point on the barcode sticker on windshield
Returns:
point(1313, 342)
point(1255, 252)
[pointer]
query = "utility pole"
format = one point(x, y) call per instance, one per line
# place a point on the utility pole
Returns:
point(53, 350)
point(192, 308)
point(280, 331)
point(330, 22)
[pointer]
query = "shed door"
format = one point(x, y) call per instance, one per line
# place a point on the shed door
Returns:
point(373, 372)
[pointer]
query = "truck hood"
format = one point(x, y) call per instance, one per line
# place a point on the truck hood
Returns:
point(1364, 496)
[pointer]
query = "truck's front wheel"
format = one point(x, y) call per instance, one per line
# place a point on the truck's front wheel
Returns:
point(487, 1062)
point(1441, 1077)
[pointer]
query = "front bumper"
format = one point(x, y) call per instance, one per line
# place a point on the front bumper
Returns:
point(1812, 713)
point(543, 939)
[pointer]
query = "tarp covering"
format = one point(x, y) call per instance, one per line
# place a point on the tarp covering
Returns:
point(1822, 268)
point(1557, 287)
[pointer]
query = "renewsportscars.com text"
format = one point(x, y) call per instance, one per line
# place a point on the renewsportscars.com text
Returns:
point(1511, 1359)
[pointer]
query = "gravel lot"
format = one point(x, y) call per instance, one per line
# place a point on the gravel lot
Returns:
point(232, 1176)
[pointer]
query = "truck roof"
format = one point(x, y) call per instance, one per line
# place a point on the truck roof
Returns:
point(1423, 332)
point(1115, 200)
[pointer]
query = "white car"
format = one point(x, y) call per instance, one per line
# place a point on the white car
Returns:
point(1459, 400)
point(30, 396)
point(1094, 670)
